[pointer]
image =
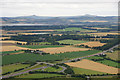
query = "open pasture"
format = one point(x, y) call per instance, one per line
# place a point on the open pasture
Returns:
point(68, 41)
point(85, 71)
point(115, 55)
point(88, 64)
point(52, 69)
point(63, 49)
point(10, 52)
point(11, 68)
point(93, 44)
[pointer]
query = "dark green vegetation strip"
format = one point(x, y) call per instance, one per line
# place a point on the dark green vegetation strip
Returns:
point(29, 57)
point(39, 46)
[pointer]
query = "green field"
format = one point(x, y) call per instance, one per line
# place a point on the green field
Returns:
point(28, 57)
point(85, 71)
point(52, 69)
point(113, 55)
point(11, 68)
point(105, 61)
point(39, 46)
point(68, 41)
point(9, 52)
point(75, 29)
point(110, 63)
point(40, 75)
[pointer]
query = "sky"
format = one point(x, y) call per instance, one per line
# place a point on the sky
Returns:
point(11, 8)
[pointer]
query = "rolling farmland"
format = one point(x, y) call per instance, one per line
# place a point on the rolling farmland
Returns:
point(87, 64)
point(8, 59)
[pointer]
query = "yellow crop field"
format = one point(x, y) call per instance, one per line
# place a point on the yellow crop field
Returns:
point(11, 41)
point(88, 64)
point(93, 44)
point(11, 48)
point(63, 49)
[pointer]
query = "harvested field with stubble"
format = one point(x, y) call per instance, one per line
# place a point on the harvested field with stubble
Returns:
point(93, 44)
point(63, 49)
point(88, 64)
point(11, 41)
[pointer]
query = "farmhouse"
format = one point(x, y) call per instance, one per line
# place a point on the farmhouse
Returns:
point(35, 52)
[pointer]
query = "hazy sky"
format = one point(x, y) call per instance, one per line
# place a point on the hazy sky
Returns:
point(58, 7)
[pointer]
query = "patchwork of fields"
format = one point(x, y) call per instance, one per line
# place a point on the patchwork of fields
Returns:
point(105, 61)
point(63, 45)
point(8, 59)
point(87, 64)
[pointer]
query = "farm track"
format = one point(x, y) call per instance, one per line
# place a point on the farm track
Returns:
point(50, 64)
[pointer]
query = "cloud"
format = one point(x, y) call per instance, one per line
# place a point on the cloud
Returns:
point(58, 9)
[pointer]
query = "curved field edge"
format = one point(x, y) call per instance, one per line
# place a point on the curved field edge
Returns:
point(88, 64)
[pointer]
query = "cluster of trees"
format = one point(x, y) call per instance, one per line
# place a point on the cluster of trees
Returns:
point(110, 43)
point(68, 70)
point(49, 38)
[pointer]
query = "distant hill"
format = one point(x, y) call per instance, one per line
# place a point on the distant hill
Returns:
point(86, 19)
